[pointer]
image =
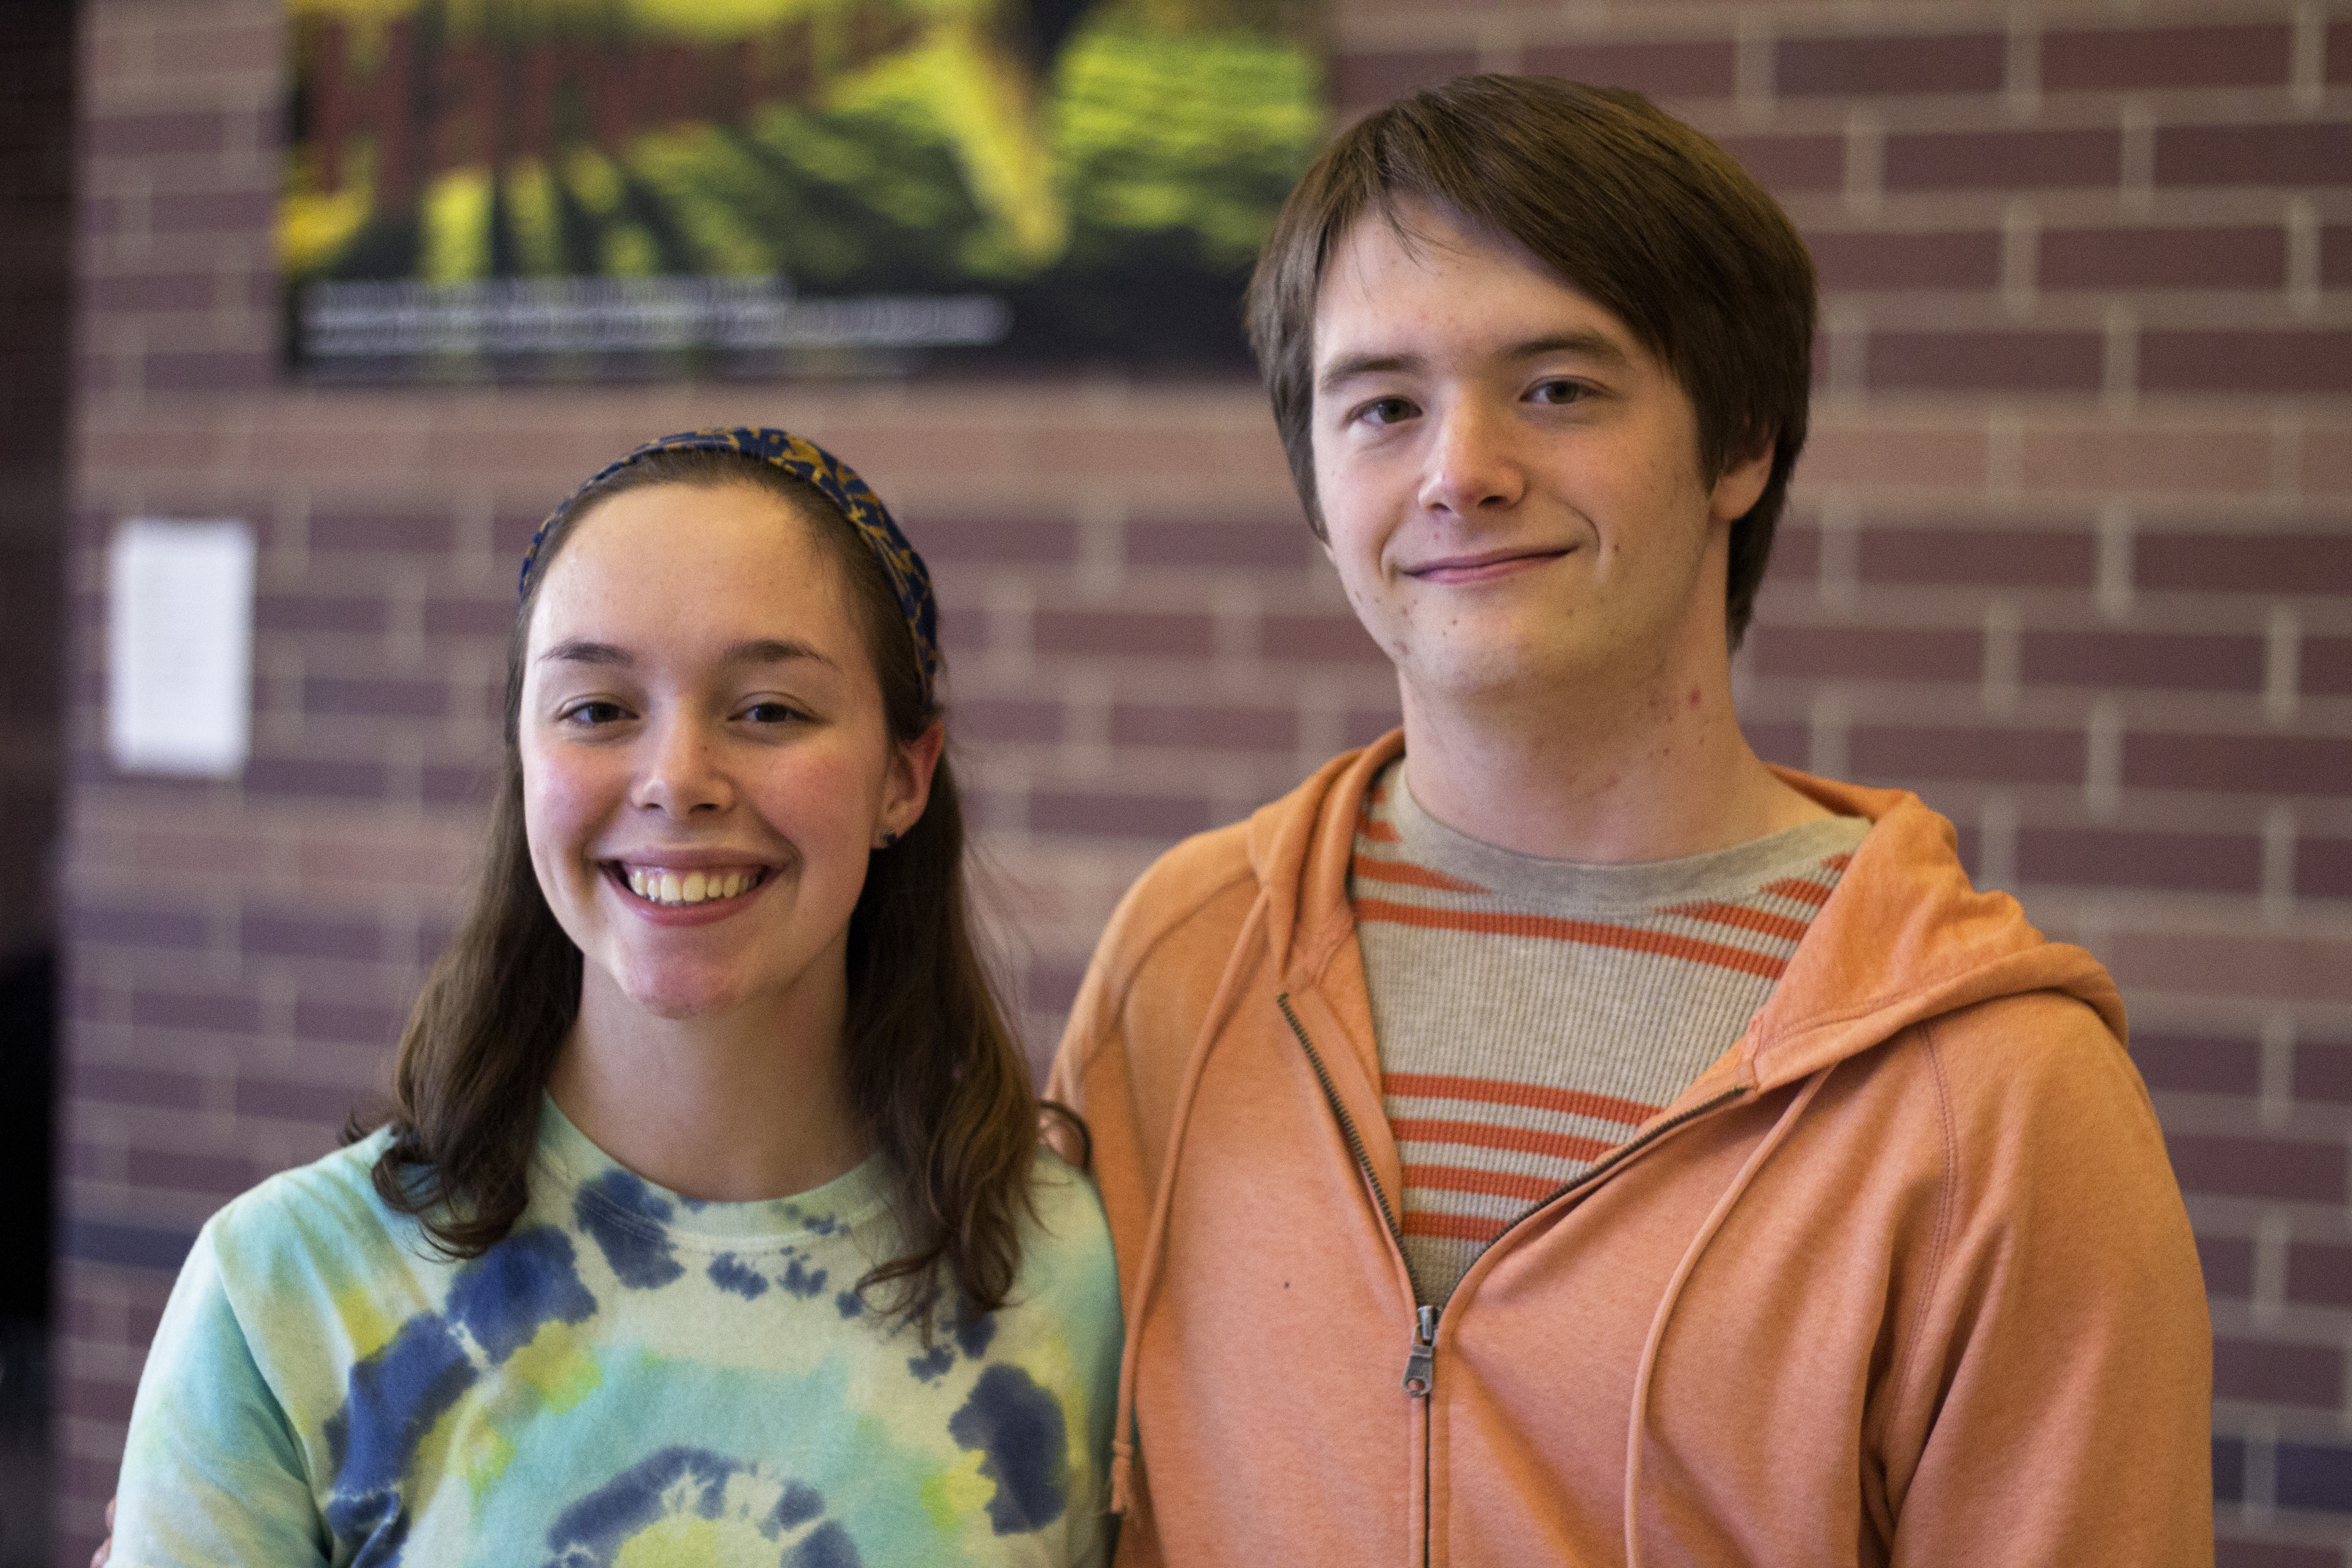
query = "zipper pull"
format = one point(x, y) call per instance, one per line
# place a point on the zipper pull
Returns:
point(1420, 1367)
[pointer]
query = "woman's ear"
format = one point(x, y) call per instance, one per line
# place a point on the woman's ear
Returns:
point(907, 788)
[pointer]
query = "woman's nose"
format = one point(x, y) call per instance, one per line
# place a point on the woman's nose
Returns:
point(683, 770)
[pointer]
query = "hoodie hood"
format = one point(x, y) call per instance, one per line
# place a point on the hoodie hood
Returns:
point(1905, 938)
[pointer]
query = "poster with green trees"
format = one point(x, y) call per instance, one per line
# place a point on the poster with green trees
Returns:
point(585, 189)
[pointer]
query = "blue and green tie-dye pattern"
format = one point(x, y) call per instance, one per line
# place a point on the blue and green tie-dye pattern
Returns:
point(630, 1378)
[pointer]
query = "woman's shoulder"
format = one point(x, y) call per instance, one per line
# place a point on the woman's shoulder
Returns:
point(1065, 1250)
point(309, 1218)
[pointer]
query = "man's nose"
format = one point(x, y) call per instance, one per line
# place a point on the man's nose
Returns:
point(1474, 460)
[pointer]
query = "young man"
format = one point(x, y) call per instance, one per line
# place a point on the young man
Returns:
point(1551, 1135)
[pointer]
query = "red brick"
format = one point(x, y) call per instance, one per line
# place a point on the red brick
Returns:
point(376, 699)
point(95, 1399)
point(2335, 257)
point(2270, 1554)
point(317, 612)
point(1362, 726)
point(2250, 258)
point(2147, 460)
point(1263, 546)
point(1204, 728)
point(2147, 660)
point(1995, 557)
point(1319, 638)
point(1165, 817)
point(145, 292)
point(239, 212)
point(2245, 562)
point(347, 1022)
point(458, 783)
point(274, 1099)
point(2258, 1168)
point(1006, 719)
point(469, 617)
point(1851, 260)
point(1664, 70)
point(2339, 51)
point(225, 1174)
point(111, 927)
point(2310, 1377)
point(1869, 653)
point(1128, 633)
point(192, 1010)
point(2300, 153)
point(2095, 858)
point(1786, 164)
point(1369, 81)
point(307, 936)
point(134, 1086)
point(2322, 868)
point(2318, 1274)
point(2165, 57)
point(2028, 362)
point(1052, 988)
point(1796, 556)
point(2228, 1265)
point(1910, 754)
point(1957, 62)
point(1040, 541)
point(2198, 1065)
point(290, 775)
point(2001, 160)
point(2246, 362)
point(2256, 765)
point(132, 135)
point(229, 371)
point(414, 532)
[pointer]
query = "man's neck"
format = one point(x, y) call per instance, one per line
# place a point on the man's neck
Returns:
point(1655, 775)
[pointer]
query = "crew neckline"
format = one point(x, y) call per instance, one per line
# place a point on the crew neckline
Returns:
point(576, 1163)
point(1722, 875)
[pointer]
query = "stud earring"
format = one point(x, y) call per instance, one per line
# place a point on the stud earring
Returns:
point(888, 838)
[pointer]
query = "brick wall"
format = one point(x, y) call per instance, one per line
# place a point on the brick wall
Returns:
point(2071, 553)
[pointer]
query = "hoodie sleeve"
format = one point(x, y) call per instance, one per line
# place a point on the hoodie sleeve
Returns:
point(2055, 1404)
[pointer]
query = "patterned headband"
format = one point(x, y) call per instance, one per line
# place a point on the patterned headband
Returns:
point(840, 485)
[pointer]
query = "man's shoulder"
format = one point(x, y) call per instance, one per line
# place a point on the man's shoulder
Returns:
point(1198, 895)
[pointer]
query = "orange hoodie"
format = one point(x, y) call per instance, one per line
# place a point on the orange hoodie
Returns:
point(1904, 1277)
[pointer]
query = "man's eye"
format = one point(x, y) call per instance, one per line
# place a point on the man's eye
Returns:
point(1386, 410)
point(1558, 392)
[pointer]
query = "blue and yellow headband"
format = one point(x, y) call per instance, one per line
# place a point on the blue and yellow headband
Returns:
point(839, 484)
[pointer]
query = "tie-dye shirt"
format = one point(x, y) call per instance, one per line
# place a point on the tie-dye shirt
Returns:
point(630, 1377)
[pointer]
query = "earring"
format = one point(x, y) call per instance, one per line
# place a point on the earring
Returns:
point(888, 838)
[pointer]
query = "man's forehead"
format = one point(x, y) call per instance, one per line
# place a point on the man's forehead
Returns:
point(1426, 239)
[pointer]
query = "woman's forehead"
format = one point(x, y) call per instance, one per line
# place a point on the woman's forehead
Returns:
point(672, 557)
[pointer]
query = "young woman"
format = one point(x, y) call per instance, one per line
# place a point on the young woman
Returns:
point(710, 1225)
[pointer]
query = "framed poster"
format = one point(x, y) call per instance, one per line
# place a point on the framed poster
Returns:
point(590, 189)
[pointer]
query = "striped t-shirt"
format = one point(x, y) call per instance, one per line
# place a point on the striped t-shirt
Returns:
point(1531, 1013)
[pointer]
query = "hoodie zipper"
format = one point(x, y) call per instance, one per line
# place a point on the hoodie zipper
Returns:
point(1420, 1358)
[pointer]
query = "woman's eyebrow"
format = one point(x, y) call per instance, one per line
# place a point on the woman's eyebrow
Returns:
point(580, 651)
point(771, 650)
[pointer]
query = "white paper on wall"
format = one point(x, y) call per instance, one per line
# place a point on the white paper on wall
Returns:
point(178, 643)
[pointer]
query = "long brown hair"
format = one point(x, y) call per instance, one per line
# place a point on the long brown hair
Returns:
point(932, 1069)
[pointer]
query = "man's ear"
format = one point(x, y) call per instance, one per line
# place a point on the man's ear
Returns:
point(1741, 484)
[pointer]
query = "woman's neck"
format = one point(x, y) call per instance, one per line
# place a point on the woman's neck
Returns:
point(749, 1105)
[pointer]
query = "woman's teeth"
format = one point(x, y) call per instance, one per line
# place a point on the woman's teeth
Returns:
point(659, 887)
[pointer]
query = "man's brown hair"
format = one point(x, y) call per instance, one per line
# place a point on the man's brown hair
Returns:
point(1624, 203)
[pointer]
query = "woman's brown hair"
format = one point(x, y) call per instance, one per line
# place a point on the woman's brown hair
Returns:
point(932, 1069)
